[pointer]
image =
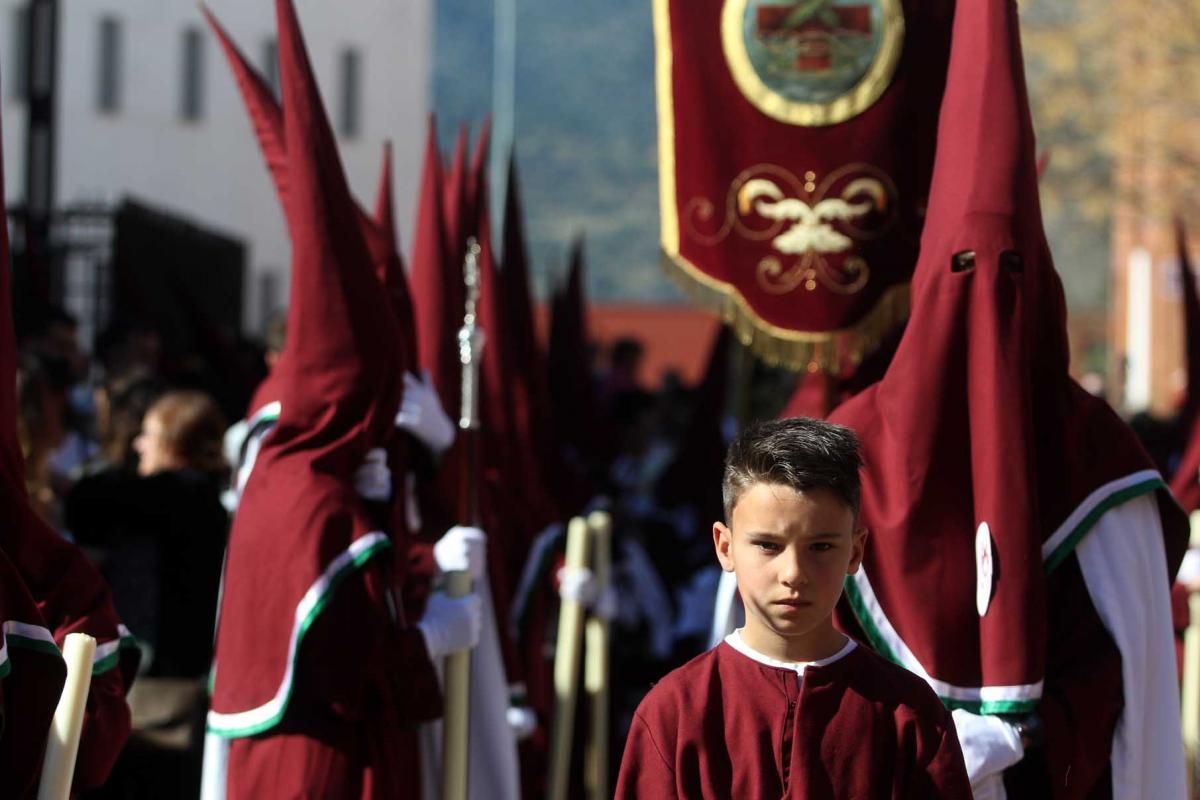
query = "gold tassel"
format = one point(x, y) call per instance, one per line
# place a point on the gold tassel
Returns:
point(795, 350)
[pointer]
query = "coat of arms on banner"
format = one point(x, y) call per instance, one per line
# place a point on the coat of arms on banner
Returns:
point(812, 62)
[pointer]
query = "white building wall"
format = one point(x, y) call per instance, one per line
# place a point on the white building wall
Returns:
point(210, 170)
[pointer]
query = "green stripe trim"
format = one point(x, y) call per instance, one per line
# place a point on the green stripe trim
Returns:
point(268, 413)
point(880, 645)
point(34, 645)
point(867, 623)
point(1060, 553)
point(992, 706)
point(126, 642)
point(335, 580)
point(5, 668)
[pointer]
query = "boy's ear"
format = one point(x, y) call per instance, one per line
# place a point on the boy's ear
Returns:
point(723, 544)
point(858, 547)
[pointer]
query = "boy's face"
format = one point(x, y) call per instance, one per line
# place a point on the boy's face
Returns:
point(791, 551)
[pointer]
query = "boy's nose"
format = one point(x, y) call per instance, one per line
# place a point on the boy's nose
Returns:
point(793, 573)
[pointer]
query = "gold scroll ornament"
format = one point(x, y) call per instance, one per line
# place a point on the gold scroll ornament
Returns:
point(805, 221)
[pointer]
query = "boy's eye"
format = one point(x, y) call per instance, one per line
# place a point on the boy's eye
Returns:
point(821, 547)
point(766, 547)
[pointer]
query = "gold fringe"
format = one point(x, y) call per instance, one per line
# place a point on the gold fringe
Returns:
point(794, 350)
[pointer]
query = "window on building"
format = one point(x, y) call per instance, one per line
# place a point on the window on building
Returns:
point(350, 119)
point(191, 98)
point(18, 83)
point(108, 94)
point(270, 64)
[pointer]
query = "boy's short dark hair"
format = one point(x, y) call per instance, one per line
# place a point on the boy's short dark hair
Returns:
point(798, 452)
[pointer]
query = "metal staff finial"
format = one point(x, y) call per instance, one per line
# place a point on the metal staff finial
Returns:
point(471, 339)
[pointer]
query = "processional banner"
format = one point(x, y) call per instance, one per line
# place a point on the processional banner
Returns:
point(796, 145)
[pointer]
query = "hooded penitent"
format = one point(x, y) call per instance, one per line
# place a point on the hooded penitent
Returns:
point(985, 463)
point(70, 597)
point(301, 527)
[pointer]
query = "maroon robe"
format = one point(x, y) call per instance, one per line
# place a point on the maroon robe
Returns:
point(31, 678)
point(725, 725)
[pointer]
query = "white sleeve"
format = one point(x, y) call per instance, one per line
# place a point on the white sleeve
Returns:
point(1124, 567)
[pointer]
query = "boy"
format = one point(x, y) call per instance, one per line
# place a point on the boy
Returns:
point(788, 706)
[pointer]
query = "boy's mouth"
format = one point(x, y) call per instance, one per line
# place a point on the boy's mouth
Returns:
point(794, 602)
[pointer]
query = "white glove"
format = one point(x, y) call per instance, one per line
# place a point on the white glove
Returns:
point(522, 720)
point(462, 549)
point(451, 624)
point(373, 480)
point(989, 746)
point(577, 584)
point(422, 415)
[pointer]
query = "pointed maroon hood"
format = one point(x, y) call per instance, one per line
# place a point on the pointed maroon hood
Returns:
point(1185, 482)
point(378, 231)
point(532, 412)
point(301, 525)
point(569, 374)
point(265, 115)
point(1190, 409)
point(436, 283)
point(384, 245)
point(455, 197)
point(477, 186)
point(976, 401)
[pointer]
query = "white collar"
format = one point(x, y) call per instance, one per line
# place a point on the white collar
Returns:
point(736, 641)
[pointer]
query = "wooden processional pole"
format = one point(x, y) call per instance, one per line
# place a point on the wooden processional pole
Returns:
point(456, 720)
point(595, 665)
point(567, 655)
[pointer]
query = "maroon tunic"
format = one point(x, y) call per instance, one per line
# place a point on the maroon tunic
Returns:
point(725, 725)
